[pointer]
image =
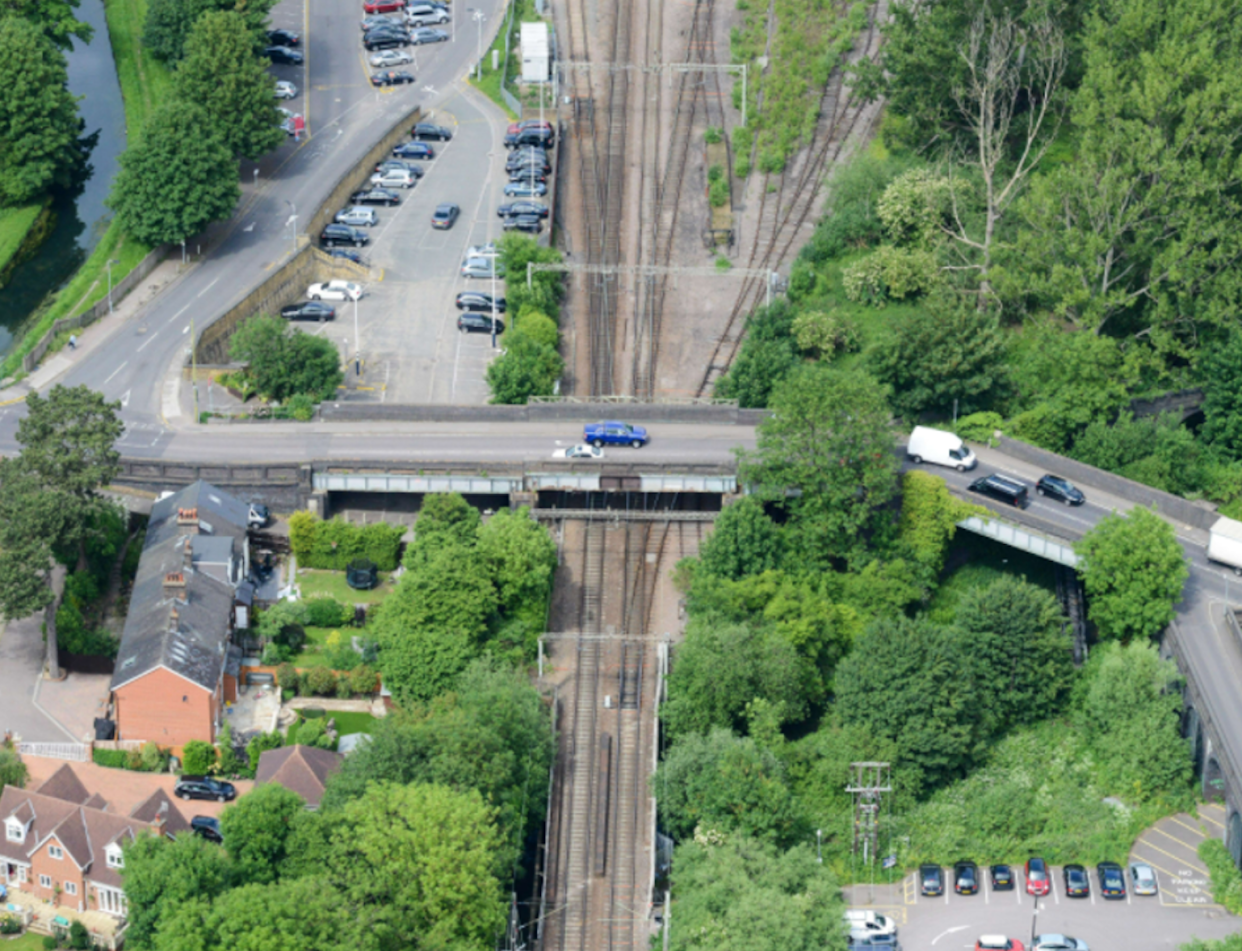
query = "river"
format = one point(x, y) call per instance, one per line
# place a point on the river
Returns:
point(81, 215)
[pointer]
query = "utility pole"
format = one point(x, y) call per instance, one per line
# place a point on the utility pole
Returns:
point(194, 364)
point(110, 263)
point(869, 782)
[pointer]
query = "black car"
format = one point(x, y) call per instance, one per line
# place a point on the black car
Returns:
point(1002, 878)
point(347, 254)
point(1077, 884)
point(414, 150)
point(208, 827)
point(343, 234)
point(1061, 490)
point(389, 164)
point(524, 173)
point(308, 310)
point(931, 880)
point(445, 216)
point(478, 301)
point(470, 323)
point(540, 137)
point(283, 38)
point(1003, 489)
point(429, 130)
point(385, 40)
point(1112, 881)
point(540, 165)
point(283, 56)
point(375, 196)
point(203, 787)
point(392, 78)
point(966, 878)
point(523, 208)
point(531, 224)
point(528, 154)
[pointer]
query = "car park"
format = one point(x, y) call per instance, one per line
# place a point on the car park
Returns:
point(526, 189)
point(478, 301)
point(484, 268)
point(343, 234)
point(1038, 881)
point(1077, 884)
point(375, 196)
point(1058, 942)
point(390, 165)
point(384, 40)
point(357, 216)
point(426, 34)
point(388, 58)
point(1002, 878)
point(523, 208)
point(1112, 881)
point(862, 921)
point(1143, 879)
point(208, 827)
point(471, 323)
point(445, 216)
point(998, 942)
point(392, 78)
point(931, 880)
point(1003, 489)
point(414, 150)
point(308, 310)
point(531, 224)
point(286, 90)
point(283, 38)
point(579, 451)
point(966, 878)
point(334, 290)
point(383, 6)
point(203, 787)
point(1060, 490)
point(395, 178)
point(283, 56)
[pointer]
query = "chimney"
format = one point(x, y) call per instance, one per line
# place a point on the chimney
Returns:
point(187, 521)
point(174, 584)
point(187, 556)
point(173, 617)
point(160, 822)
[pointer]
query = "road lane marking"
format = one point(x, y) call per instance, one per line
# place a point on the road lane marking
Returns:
point(154, 334)
point(945, 934)
point(115, 372)
point(208, 287)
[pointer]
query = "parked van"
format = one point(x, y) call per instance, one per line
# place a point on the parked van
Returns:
point(1003, 489)
point(940, 448)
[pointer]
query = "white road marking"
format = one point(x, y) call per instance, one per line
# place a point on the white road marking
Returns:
point(208, 287)
point(945, 934)
point(115, 372)
point(181, 311)
point(125, 397)
point(147, 341)
point(185, 329)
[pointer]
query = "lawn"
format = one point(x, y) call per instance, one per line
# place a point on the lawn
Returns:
point(145, 81)
point(348, 721)
point(315, 583)
point(27, 942)
point(312, 654)
point(15, 224)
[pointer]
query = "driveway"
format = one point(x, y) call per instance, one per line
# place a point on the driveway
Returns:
point(21, 684)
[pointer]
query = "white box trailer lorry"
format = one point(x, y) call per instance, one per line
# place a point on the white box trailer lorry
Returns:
point(1225, 543)
point(941, 448)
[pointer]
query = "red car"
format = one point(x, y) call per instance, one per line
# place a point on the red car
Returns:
point(516, 127)
point(383, 6)
point(1038, 879)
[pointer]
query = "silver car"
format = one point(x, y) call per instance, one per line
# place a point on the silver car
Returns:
point(1143, 879)
point(1058, 942)
point(481, 268)
point(357, 216)
point(286, 90)
point(428, 35)
point(391, 58)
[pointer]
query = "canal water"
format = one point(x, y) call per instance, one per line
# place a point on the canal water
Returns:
point(81, 216)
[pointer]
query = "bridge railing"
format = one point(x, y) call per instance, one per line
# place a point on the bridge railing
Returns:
point(1023, 538)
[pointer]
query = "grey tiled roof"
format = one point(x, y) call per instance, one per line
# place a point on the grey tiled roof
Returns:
point(303, 769)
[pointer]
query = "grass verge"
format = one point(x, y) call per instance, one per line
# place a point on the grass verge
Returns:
point(316, 583)
point(15, 224)
point(490, 83)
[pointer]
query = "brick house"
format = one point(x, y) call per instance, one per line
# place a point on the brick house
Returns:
point(62, 844)
point(302, 769)
point(175, 666)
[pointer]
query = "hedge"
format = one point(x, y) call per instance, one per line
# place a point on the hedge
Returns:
point(1225, 877)
point(332, 545)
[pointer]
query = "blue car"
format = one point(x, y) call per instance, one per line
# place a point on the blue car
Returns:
point(414, 150)
point(613, 433)
point(526, 189)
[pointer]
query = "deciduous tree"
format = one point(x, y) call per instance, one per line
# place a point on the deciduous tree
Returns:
point(256, 830)
point(744, 541)
point(527, 368)
point(162, 874)
point(521, 557)
point(283, 361)
point(56, 19)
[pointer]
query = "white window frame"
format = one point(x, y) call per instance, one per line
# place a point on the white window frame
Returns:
point(14, 830)
point(55, 852)
point(71, 888)
point(115, 858)
point(23, 873)
point(45, 881)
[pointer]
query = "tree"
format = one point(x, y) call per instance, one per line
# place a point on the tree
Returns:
point(723, 783)
point(766, 359)
point(12, 770)
point(198, 758)
point(38, 114)
point(547, 287)
point(177, 178)
point(221, 73)
point(521, 557)
point(161, 874)
point(445, 518)
point(168, 24)
point(256, 830)
point(828, 438)
point(56, 19)
point(538, 327)
point(527, 368)
point(929, 517)
point(283, 361)
point(744, 541)
point(1133, 569)
point(943, 355)
point(1222, 395)
point(742, 894)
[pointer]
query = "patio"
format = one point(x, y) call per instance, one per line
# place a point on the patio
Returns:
point(41, 918)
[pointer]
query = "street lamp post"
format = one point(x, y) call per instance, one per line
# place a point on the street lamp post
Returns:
point(478, 16)
point(357, 346)
point(110, 263)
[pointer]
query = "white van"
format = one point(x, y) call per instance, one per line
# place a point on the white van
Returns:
point(940, 448)
point(864, 923)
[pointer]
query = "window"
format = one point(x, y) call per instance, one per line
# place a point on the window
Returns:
point(115, 858)
point(45, 881)
point(71, 888)
point(55, 852)
point(14, 830)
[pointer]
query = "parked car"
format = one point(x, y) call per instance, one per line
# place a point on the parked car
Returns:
point(470, 323)
point(1143, 879)
point(429, 130)
point(966, 878)
point(357, 216)
point(998, 942)
point(375, 196)
point(939, 448)
point(347, 254)
point(477, 300)
point(427, 34)
point(392, 78)
point(424, 14)
point(1003, 489)
point(258, 516)
point(1060, 490)
point(1038, 881)
point(288, 120)
point(531, 224)
point(334, 290)
point(375, 21)
point(931, 880)
point(308, 310)
point(1077, 884)
point(388, 58)
point(523, 208)
point(414, 150)
point(482, 250)
point(527, 155)
point(1058, 942)
point(383, 6)
point(862, 922)
point(334, 234)
point(526, 189)
point(283, 38)
point(524, 124)
point(1002, 878)
point(395, 178)
point(524, 173)
point(543, 138)
point(615, 434)
point(579, 451)
point(1112, 881)
point(873, 942)
point(203, 787)
point(445, 216)
point(384, 40)
point(484, 268)
point(389, 165)
point(208, 827)
point(283, 56)
point(285, 90)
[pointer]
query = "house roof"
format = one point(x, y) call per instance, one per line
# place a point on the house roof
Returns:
point(64, 784)
point(303, 769)
point(184, 629)
point(160, 804)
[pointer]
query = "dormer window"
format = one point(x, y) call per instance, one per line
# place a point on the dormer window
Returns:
point(115, 858)
point(14, 830)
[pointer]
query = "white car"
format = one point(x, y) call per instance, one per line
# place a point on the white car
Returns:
point(1058, 942)
point(391, 58)
point(482, 250)
point(580, 451)
point(285, 90)
point(334, 290)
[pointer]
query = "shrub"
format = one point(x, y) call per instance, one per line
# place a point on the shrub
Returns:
point(304, 689)
point(1226, 879)
point(50, 943)
point(343, 691)
point(153, 758)
point(198, 758)
point(113, 759)
point(321, 681)
point(362, 681)
point(328, 612)
point(9, 924)
point(538, 327)
point(287, 677)
point(715, 173)
point(13, 771)
point(333, 544)
point(301, 407)
point(979, 427)
point(133, 760)
point(718, 193)
point(261, 744)
point(308, 732)
point(741, 167)
point(714, 135)
point(79, 937)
